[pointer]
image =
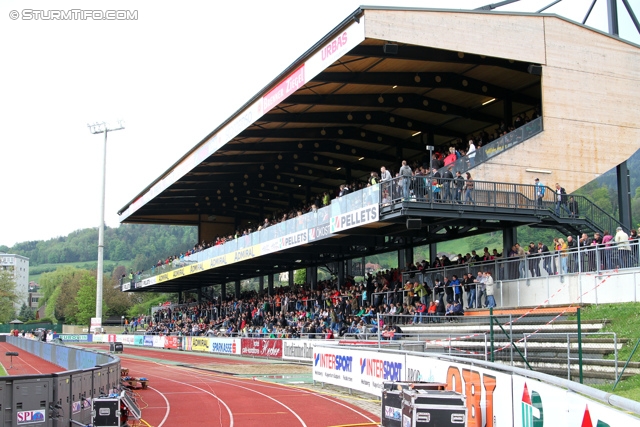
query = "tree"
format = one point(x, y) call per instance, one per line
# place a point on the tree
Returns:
point(8, 296)
point(26, 313)
point(85, 304)
point(300, 276)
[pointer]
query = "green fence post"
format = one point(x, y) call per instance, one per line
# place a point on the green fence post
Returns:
point(491, 331)
point(579, 345)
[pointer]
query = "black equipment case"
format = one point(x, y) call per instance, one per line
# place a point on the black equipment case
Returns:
point(430, 408)
point(391, 415)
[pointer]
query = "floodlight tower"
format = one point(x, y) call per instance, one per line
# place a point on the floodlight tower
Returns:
point(95, 129)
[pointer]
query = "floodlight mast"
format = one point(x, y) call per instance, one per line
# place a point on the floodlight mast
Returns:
point(97, 128)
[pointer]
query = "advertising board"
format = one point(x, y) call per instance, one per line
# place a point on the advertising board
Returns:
point(200, 344)
point(261, 347)
point(75, 337)
point(482, 387)
point(299, 350)
point(536, 403)
point(357, 369)
point(225, 345)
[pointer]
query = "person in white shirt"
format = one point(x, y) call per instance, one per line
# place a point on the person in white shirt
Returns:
point(624, 249)
point(471, 153)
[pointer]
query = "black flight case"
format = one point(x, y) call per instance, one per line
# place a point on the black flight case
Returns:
point(430, 408)
point(391, 415)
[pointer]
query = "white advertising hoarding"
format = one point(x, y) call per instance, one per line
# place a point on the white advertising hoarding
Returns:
point(356, 369)
point(299, 350)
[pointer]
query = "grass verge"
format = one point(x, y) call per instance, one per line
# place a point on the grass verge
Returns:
point(624, 320)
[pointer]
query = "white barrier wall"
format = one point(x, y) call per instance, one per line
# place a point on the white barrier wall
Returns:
point(493, 398)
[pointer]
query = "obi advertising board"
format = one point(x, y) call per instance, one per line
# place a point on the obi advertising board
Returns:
point(366, 371)
point(261, 347)
point(483, 388)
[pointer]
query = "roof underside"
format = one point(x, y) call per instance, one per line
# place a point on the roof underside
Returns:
point(362, 112)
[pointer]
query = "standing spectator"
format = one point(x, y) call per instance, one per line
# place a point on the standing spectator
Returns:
point(405, 175)
point(573, 208)
point(633, 242)
point(624, 249)
point(572, 255)
point(458, 183)
point(534, 260)
point(540, 189)
point(469, 184)
point(488, 283)
point(447, 181)
point(561, 200)
point(544, 252)
point(471, 153)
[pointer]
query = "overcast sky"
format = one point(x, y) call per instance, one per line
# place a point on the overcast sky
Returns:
point(172, 75)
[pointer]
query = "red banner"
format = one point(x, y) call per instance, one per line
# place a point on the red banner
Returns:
point(171, 341)
point(261, 347)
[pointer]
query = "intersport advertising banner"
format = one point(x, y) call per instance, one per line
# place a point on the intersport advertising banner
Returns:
point(366, 371)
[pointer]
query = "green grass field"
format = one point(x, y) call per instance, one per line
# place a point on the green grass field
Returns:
point(625, 322)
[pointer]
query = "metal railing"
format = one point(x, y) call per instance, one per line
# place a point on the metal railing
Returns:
point(497, 146)
point(582, 259)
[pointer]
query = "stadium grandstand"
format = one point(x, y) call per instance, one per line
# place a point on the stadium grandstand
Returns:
point(295, 179)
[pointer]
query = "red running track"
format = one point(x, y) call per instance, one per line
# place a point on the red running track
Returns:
point(179, 396)
point(185, 397)
point(25, 363)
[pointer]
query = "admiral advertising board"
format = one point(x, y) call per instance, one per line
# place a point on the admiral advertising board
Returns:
point(200, 344)
point(261, 347)
point(299, 350)
point(366, 371)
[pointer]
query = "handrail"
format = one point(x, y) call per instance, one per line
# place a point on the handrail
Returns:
point(419, 188)
point(498, 146)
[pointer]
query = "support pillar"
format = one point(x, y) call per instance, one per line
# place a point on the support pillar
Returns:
point(237, 289)
point(509, 238)
point(507, 111)
point(401, 258)
point(408, 256)
point(433, 252)
point(270, 284)
point(261, 284)
point(223, 291)
point(180, 298)
point(292, 277)
point(199, 294)
point(624, 196)
point(341, 274)
point(312, 277)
